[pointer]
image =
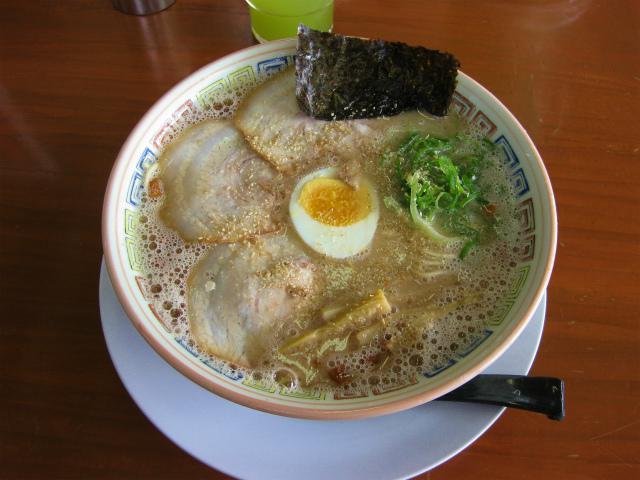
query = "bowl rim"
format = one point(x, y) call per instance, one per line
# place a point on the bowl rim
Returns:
point(396, 405)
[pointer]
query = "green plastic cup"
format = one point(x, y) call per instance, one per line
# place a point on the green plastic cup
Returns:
point(273, 19)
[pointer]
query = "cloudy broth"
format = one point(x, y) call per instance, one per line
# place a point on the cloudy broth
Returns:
point(440, 305)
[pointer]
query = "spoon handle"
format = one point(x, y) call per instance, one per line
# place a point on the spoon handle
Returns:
point(536, 394)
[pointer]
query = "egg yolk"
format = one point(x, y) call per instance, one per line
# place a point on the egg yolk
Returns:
point(333, 202)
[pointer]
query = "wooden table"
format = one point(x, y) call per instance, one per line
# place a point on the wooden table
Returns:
point(75, 77)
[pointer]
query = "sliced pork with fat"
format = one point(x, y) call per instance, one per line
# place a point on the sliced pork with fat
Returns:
point(217, 189)
point(241, 294)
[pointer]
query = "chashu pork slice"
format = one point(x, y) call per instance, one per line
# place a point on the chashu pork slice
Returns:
point(272, 122)
point(240, 294)
point(216, 188)
point(274, 125)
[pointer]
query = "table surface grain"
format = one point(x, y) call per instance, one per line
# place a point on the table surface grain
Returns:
point(76, 76)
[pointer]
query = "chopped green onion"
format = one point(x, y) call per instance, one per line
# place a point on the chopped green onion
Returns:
point(440, 179)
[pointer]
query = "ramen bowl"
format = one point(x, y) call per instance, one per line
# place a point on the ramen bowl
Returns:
point(237, 73)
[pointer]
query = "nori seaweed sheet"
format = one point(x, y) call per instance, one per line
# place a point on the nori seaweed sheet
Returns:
point(339, 77)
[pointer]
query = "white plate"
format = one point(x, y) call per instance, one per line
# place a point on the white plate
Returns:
point(249, 444)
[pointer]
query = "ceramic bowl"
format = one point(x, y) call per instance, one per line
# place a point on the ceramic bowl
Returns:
point(537, 223)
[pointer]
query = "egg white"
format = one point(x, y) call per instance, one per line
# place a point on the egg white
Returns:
point(334, 241)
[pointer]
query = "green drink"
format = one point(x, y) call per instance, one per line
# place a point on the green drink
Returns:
point(273, 19)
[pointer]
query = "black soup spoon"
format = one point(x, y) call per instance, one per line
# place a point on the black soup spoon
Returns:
point(536, 394)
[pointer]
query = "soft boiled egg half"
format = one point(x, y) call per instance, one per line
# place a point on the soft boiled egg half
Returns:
point(333, 217)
